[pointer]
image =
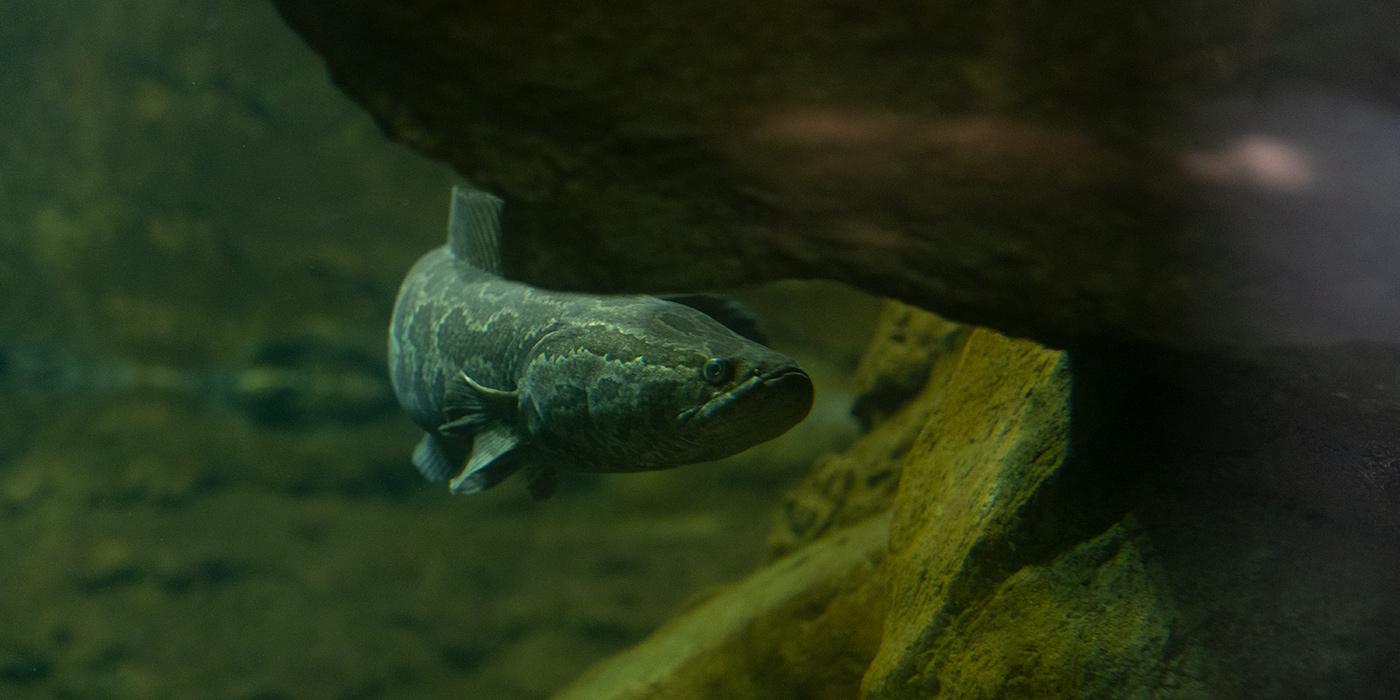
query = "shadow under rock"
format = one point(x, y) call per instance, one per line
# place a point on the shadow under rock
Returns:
point(1268, 493)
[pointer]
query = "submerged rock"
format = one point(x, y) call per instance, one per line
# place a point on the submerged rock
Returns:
point(1145, 525)
point(997, 435)
point(1060, 171)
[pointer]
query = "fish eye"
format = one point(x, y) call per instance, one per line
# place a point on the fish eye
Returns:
point(718, 370)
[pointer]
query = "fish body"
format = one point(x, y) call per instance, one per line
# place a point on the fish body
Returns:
point(502, 376)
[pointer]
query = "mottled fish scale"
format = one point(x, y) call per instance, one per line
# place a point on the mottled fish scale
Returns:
point(502, 376)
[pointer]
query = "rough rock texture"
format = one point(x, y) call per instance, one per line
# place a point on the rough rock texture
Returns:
point(1090, 624)
point(1186, 172)
point(999, 434)
point(993, 591)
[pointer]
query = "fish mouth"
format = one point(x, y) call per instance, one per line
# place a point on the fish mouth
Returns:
point(781, 379)
point(784, 374)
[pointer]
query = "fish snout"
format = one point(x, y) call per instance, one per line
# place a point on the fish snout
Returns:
point(788, 395)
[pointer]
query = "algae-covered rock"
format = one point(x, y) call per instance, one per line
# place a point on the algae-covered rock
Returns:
point(998, 434)
point(1091, 623)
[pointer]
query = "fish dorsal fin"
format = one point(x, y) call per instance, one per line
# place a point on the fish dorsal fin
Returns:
point(495, 456)
point(730, 314)
point(474, 228)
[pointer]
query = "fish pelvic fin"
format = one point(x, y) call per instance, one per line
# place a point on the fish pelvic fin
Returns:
point(432, 459)
point(495, 456)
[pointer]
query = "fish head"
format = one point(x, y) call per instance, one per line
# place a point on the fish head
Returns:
point(656, 385)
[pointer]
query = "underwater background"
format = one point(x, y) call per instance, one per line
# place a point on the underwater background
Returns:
point(205, 485)
point(1100, 301)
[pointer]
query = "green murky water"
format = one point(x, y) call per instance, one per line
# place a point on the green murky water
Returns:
point(203, 489)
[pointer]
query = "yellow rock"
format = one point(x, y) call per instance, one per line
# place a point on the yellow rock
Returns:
point(998, 432)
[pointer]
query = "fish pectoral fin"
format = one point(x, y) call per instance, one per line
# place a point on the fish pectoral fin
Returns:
point(495, 456)
point(730, 314)
point(473, 405)
point(432, 459)
point(542, 481)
